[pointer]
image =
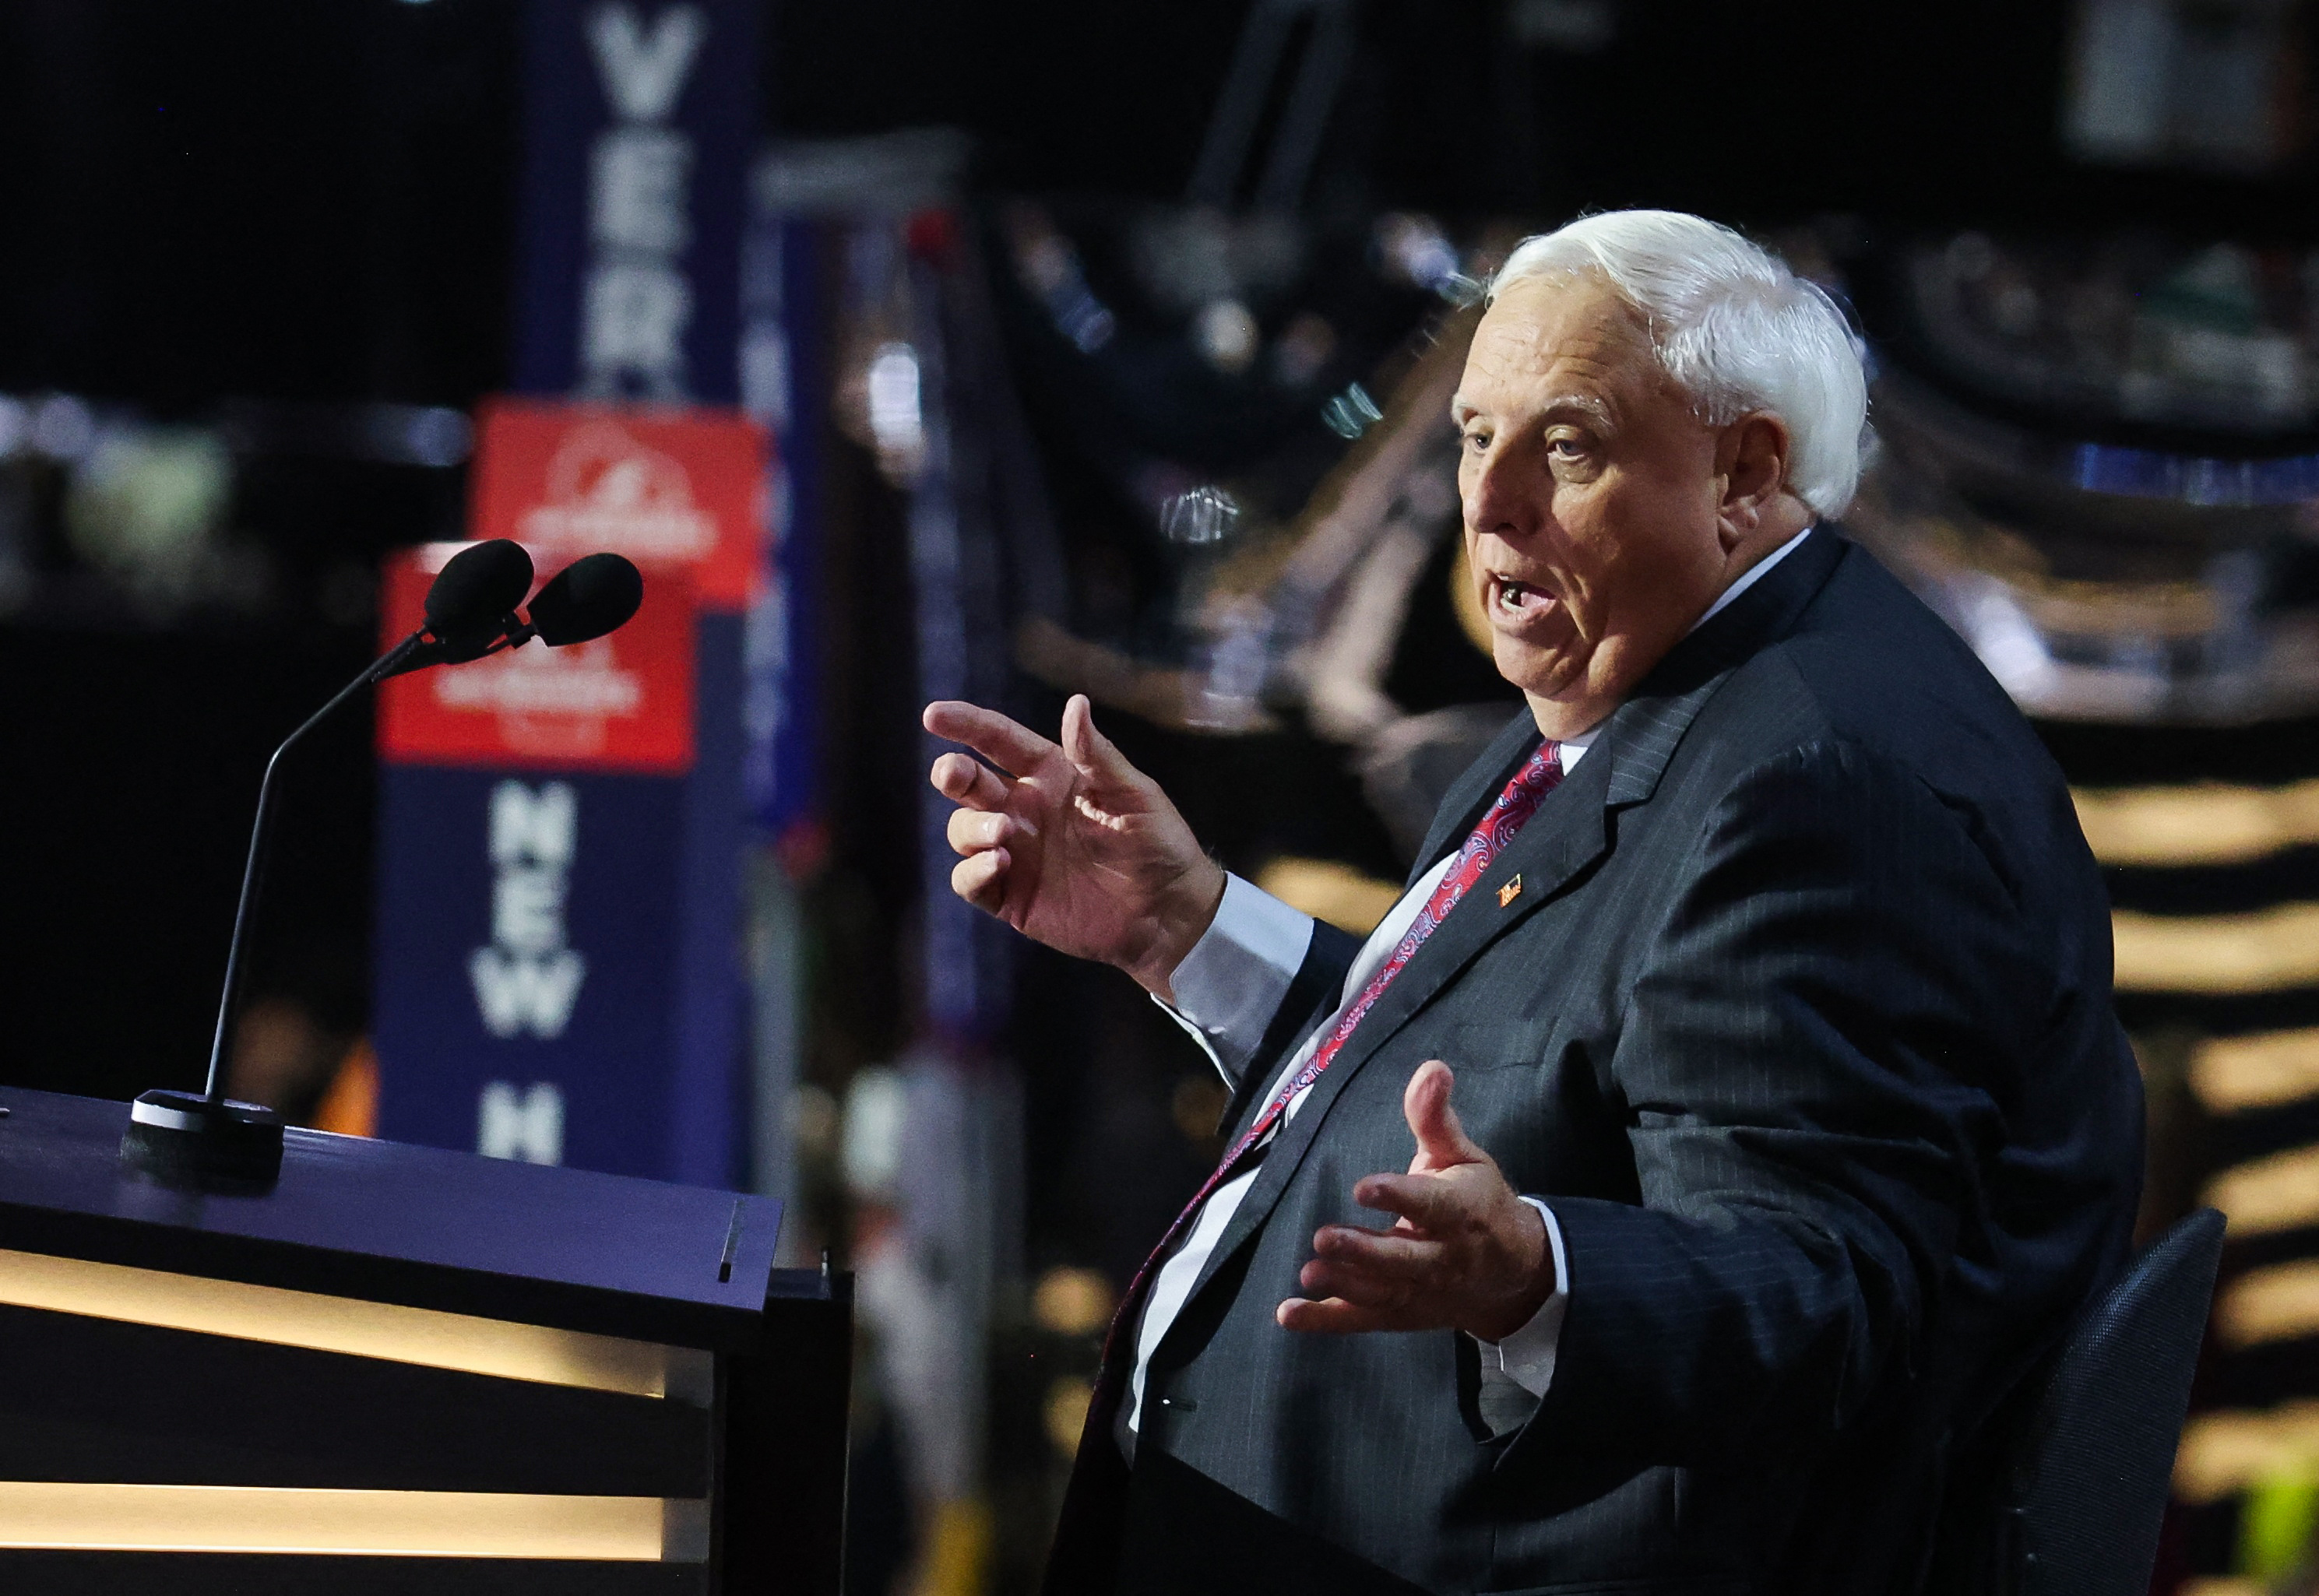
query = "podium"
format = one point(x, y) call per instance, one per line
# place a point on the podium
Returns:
point(401, 1369)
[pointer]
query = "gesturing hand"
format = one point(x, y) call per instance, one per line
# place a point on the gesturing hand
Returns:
point(1072, 845)
point(1466, 1254)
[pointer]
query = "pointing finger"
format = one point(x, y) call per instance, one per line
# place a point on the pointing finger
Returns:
point(1008, 744)
point(967, 780)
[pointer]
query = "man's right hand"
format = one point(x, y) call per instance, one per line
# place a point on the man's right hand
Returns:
point(1070, 844)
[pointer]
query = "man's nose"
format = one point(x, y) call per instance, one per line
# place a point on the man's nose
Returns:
point(1496, 494)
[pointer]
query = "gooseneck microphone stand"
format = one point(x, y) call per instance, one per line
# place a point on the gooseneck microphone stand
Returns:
point(261, 837)
point(205, 1134)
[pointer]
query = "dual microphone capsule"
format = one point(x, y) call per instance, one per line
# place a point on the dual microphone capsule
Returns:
point(471, 607)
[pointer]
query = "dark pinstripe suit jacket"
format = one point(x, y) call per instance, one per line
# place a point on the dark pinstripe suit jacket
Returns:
point(1801, 1023)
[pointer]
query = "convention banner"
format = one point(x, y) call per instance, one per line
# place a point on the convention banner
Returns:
point(639, 119)
point(558, 962)
point(559, 972)
point(663, 486)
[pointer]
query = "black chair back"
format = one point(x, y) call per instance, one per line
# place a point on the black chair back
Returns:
point(2085, 1475)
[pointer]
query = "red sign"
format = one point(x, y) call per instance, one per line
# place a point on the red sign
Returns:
point(665, 487)
point(621, 703)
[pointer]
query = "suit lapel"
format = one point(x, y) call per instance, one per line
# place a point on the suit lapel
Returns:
point(1573, 829)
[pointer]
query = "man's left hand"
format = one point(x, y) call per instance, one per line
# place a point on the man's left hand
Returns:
point(1466, 1252)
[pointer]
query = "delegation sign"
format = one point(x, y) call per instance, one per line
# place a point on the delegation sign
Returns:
point(557, 960)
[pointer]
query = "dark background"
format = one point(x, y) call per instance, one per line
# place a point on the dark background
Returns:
point(301, 201)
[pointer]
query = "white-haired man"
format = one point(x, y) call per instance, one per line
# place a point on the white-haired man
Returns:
point(1762, 956)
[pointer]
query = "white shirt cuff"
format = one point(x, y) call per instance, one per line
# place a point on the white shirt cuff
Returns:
point(1527, 1357)
point(1232, 982)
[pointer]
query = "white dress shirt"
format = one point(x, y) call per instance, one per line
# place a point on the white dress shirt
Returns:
point(1226, 992)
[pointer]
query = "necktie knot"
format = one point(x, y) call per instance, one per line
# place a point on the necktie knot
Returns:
point(1537, 777)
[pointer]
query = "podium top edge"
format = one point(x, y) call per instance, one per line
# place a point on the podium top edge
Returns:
point(385, 1222)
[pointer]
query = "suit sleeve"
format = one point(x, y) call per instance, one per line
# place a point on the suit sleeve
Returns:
point(1814, 1049)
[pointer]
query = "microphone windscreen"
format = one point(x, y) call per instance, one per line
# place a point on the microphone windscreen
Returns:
point(479, 586)
point(587, 598)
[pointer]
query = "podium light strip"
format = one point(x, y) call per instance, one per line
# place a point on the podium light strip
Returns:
point(49, 1517)
point(384, 1331)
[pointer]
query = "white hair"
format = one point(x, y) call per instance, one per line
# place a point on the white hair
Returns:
point(1733, 328)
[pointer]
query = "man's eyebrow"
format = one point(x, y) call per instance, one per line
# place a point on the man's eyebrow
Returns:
point(1584, 404)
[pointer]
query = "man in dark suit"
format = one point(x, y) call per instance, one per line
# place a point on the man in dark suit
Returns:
point(1792, 1121)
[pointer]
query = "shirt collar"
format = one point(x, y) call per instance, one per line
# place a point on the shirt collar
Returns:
point(1750, 577)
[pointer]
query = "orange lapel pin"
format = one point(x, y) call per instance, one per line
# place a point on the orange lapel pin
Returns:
point(1508, 892)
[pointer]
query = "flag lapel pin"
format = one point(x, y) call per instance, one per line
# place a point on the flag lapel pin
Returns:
point(1508, 892)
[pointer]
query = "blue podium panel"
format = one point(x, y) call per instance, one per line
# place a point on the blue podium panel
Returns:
point(403, 1369)
point(376, 1222)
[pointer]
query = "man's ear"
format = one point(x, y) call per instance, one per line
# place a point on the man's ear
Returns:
point(1751, 463)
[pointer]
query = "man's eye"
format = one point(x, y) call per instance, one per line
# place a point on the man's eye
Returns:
point(1477, 440)
point(1567, 448)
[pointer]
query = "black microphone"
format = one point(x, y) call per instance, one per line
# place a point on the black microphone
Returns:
point(470, 612)
point(474, 598)
point(585, 600)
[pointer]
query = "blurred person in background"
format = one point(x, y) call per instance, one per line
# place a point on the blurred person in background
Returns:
point(1748, 1011)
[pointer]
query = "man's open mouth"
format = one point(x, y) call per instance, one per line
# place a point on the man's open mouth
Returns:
point(1514, 600)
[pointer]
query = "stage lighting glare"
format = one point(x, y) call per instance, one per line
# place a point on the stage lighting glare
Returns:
point(1414, 248)
point(1352, 413)
point(897, 423)
point(1207, 514)
point(1226, 333)
point(64, 427)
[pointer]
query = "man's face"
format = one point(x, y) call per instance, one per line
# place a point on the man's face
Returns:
point(1592, 496)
